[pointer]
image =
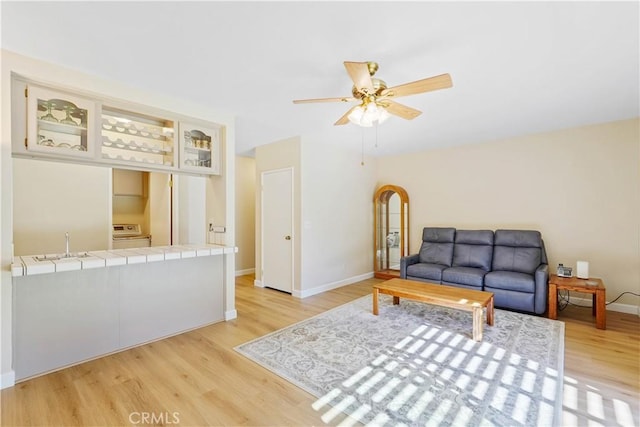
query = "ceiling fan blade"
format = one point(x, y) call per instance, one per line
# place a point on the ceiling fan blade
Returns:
point(308, 101)
point(345, 118)
point(442, 81)
point(401, 110)
point(359, 73)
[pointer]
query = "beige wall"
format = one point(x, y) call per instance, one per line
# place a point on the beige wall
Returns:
point(337, 216)
point(51, 198)
point(580, 187)
point(245, 214)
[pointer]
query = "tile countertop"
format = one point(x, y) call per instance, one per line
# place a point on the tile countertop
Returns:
point(27, 265)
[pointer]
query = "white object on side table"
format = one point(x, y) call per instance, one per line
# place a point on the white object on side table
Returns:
point(582, 269)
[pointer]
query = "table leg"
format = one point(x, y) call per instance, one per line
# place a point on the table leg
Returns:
point(601, 309)
point(375, 301)
point(490, 312)
point(396, 300)
point(477, 323)
point(553, 301)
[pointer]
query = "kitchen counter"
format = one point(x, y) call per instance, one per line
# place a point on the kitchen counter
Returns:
point(28, 265)
point(71, 309)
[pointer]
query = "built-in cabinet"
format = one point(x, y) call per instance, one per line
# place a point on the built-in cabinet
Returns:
point(63, 125)
point(59, 123)
point(132, 138)
point(200, 148)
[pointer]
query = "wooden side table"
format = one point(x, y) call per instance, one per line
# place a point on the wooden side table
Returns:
point(593, 286)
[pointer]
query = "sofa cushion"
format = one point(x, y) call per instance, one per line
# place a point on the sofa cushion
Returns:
point(521, 260)
point(436, 253)
point(426, 271)
point(520, 301)
point(517, 250)
point(473, 248)
point(438, 234)
point(518, 238)
point(474, 237)
point(464, 276)
point(509, 280)
point(437, 245)
point(458, 285)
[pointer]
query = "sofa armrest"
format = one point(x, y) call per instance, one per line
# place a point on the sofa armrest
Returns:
point(542, 288)
point(405, 262)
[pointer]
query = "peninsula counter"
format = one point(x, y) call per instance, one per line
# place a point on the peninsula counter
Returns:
point(71, 309)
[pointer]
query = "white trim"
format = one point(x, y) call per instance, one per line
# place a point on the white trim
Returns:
point(8, 379)
point(231, 314)
point(616, 306)
point(245, 272)
point(258, 283)
point(329, 286)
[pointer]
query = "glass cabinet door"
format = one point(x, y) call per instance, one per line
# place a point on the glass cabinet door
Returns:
point(200, 148)
point(58, 123)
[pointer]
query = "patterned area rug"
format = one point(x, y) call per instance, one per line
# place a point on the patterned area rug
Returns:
point(416, 364)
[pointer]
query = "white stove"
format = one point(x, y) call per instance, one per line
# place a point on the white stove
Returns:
point(129, 236)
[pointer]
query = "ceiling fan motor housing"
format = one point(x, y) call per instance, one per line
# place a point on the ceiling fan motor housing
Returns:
point(378, 86)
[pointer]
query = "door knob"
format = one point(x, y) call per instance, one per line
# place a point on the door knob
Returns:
point(287, 237)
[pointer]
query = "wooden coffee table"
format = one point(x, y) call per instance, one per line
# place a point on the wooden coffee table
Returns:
point(442, 295)
point(593, 286)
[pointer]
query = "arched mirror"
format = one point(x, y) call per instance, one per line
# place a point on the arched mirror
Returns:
point(391, 230)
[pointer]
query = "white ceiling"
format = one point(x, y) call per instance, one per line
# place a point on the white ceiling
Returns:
point(517, 67)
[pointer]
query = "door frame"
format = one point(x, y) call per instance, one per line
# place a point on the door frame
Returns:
point(291, 171)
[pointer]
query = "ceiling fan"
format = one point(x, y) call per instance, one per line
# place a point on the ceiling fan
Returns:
point(376, 100)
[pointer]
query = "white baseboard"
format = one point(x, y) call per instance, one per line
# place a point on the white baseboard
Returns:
point(8, 379)
point(230, 315)
point(245, 271)
point(621, 308)
point(329, 286)
point(258, 283)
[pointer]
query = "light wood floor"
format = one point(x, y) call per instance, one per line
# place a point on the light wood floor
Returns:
point(198, 379)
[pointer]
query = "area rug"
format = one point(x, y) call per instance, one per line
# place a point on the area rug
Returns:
point(416, 364)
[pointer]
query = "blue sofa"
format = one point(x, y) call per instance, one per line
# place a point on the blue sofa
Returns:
point(510, 263)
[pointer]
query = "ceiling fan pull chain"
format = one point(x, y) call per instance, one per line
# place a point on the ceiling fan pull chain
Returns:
point(362, 144)
point(376, 146)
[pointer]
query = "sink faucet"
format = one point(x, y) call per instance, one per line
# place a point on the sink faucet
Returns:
point(66, 253)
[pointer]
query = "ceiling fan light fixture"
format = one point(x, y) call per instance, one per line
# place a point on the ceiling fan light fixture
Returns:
point(356, 115)
point(383, 115)
point(366, 115)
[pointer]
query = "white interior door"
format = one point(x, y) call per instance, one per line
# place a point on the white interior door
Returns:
point(277, 229)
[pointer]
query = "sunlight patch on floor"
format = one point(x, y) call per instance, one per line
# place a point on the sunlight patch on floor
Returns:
point(410, 376)
point(584, 404)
